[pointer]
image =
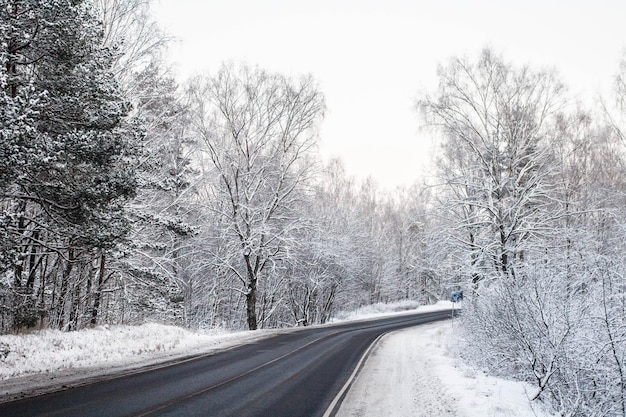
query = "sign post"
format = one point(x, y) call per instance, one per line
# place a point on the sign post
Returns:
point(455, 297)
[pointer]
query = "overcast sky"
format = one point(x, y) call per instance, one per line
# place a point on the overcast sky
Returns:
point(373, 57)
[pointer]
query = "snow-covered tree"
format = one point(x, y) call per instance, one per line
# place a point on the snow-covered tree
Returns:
point(157, 261)
point(325, 250)
point(70, 167)
point(259, 130)
point(498, 122)
point(129, 27)
point(533, 194)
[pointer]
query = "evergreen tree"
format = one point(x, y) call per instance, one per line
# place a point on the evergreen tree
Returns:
point(69, 167)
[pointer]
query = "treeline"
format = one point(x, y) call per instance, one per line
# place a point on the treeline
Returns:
point(532, 199)
point(125, 197)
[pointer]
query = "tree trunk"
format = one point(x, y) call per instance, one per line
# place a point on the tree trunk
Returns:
point(98, 292)
point(328, 304)
point(251, 305)
point(504, 256)
point(32, 263)
point(65, 282)
point(75, 310)
point(21, 231)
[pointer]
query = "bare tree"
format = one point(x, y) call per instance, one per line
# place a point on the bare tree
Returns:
point(259, 130)
point(497, 122)
point(129, 27)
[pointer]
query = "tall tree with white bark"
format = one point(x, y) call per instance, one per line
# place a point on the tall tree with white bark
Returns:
point(497, 122)
point(260, 132)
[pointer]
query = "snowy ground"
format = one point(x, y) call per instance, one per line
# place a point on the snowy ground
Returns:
point(45, 360)
point(410, 373)
point(414, 373)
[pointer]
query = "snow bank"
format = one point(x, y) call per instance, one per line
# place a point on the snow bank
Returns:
point(48, 350)
point(46, 360)
point(106, 346)
point(384, 309)
point(414, 373)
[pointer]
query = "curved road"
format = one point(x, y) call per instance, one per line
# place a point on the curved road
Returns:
point(296, 374)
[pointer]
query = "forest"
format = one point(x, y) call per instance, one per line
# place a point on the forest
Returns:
point(127, 197)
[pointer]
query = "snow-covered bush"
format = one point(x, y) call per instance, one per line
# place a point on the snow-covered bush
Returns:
point(570, 343)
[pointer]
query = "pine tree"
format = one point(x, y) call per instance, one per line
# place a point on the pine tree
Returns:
point(69, 167)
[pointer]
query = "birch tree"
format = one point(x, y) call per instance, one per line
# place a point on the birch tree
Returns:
point(497, 122)
point(259, 131)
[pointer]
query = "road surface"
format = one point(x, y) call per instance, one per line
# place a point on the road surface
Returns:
point(302, 373)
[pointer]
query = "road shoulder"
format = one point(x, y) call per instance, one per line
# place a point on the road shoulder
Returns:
point(414, 373)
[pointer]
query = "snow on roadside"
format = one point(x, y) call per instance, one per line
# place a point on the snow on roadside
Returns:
point(44, 360)
point(49, 350)
point(413, 373)
point(379, 310)
point(46, 351)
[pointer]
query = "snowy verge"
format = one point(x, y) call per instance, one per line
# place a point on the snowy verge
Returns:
point(415, 373)
point(48, 360)
point(379, 310)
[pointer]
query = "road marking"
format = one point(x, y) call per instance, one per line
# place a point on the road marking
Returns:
point(334, 405)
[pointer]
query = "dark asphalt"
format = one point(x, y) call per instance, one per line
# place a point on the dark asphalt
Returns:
point(291, 375)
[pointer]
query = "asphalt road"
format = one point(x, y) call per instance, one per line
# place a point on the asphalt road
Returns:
point(296, 374)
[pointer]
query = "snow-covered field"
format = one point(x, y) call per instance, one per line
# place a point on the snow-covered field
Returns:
point(410, 373)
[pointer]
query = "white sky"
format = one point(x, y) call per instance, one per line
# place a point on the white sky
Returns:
point(373, 57)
